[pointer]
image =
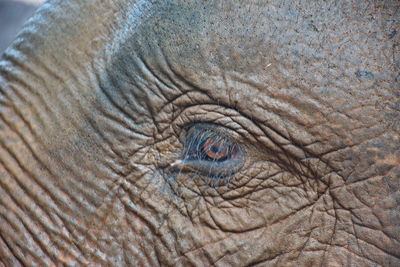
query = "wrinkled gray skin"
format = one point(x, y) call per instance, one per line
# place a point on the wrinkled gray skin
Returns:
point(95, 97)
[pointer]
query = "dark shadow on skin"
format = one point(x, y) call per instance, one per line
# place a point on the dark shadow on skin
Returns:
point(12, 16)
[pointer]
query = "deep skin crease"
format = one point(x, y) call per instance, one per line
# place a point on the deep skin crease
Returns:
point(95, 100)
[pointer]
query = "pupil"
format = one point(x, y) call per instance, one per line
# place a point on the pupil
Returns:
point(215, 149)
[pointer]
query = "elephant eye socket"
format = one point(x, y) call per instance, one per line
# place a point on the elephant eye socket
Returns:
point(210, 152)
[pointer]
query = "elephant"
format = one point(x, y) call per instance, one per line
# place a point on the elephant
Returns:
point(198, 133)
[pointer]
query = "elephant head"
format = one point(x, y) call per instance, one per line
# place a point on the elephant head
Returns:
point(226, 132)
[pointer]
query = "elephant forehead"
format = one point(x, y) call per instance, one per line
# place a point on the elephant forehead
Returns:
point(305, 63)
point(274, 43)
point(222, 37)
point(203, 36)
point(249, 37)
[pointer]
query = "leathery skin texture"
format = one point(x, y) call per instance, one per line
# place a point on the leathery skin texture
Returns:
point(201, 133)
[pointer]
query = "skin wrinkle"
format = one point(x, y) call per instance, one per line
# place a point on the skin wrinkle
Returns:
point(13, 102)
point(153, 224)
point(353, 232)
point(24, 226)
point(53, 228)
point(21, 184)
point(9, 253)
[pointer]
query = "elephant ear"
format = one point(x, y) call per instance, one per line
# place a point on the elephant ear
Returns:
point(48, 84)
point(61, 35)
point(54, 63)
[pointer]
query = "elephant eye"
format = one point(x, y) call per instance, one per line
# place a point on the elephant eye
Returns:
point(210, 152)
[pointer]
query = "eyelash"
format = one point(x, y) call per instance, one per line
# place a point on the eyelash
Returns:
point(200, 147)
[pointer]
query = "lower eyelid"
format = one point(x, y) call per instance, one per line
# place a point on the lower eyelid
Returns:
point(207, 169)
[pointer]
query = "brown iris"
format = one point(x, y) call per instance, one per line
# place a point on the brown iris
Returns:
point(216, 150)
